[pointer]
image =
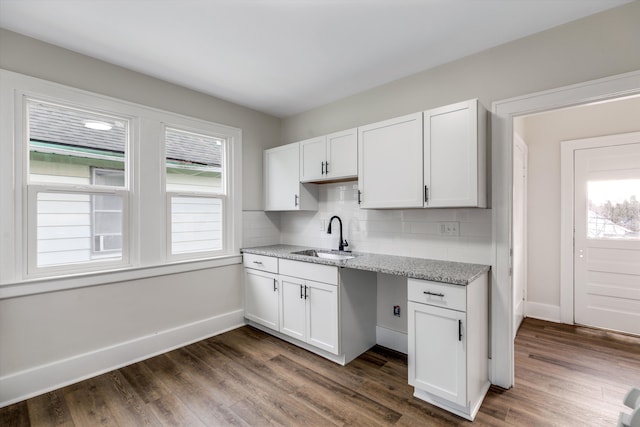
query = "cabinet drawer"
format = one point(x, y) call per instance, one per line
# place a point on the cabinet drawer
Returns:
point(260, 262)
point(438, 294)
point(309, 271)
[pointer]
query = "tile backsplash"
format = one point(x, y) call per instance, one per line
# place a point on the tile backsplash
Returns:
point(407, 232)
point(260, 228)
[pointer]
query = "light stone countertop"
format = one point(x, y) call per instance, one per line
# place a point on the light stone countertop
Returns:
point(458, 273)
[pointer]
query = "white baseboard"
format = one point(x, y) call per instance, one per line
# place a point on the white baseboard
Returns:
point(543, 311)
point(41, 379)
point(394, 340)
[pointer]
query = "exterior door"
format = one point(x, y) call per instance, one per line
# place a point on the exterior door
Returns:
point(519, 230)
point(607, 237)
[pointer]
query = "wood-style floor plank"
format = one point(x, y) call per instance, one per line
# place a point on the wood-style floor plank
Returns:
point(565, 376)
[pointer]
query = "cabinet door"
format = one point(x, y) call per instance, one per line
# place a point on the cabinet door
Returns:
point(281, 178)
point(454, 156)
point(342, 155)
point(261, 298)
point(292, 307)
point(322, 316)
point(390, 163)
point(312, 159)
point(437, 351)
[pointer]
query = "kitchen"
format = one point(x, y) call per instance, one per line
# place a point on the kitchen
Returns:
point(500, 73)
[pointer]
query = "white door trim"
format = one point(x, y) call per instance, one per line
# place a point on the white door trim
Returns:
point(567, 170)
point(502, 347)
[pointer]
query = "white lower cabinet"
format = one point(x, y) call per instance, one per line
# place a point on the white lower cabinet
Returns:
point(261, 290)
point(448, 344)
point(309, 312)
point(325, 309)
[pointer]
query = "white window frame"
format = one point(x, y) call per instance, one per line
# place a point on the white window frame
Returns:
point(145, 248)
point(30, 190)
point(231, 206)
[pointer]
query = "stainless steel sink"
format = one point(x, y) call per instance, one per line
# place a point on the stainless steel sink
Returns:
point(338, 256)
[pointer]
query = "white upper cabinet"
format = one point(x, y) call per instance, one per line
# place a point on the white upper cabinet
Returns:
point(282, 188)
point(454, 155)
point(329, 157)
point(390, 163)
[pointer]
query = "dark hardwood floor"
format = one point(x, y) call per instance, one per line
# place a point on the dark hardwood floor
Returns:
point(565, 376)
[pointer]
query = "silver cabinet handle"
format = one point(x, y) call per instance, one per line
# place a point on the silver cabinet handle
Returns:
point(275, 287)
point(257, 262)
point(435, 294)
point(326, 168)
point(322, 169)
point(300, 291)
point(295, 200)
point(426, 194)
point(305, 292)
point(459, 330)
point(359, 197)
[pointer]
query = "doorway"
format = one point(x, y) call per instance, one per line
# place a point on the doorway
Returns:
point(502, 129)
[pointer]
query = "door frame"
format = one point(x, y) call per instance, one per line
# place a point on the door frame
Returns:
point(502, 346)
point(517, 140)
point(567, 211)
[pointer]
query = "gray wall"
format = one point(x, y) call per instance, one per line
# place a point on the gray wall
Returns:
point(38, 59)
point(601, 45)
point(41, 329)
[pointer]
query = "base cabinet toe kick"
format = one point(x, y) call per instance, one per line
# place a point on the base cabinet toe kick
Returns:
point(332, 312)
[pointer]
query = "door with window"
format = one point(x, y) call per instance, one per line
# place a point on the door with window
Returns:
point(607, 236)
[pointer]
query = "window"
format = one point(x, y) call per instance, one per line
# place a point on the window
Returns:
point(92, 184)
point(613, 209)
point(77, 168)
point(196, 176)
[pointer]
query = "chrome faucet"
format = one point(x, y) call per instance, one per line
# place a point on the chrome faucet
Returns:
point(343, 243)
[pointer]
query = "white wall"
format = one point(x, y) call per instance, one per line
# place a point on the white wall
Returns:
point(600, 45)
point(543, 134)
point(49, 339)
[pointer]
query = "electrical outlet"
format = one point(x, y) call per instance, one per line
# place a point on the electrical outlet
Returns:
point(396, 310)
point(449, 228)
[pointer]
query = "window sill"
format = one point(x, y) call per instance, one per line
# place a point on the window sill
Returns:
point(83, 280)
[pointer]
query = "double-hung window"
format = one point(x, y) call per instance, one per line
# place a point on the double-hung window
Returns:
point(196, 185)
point(92, 184)
point(77, 188)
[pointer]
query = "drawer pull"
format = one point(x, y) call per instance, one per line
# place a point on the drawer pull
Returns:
point(257, 262)
point(435, 294)
point(459, 330)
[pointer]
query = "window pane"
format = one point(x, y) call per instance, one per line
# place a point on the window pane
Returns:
point(196, 224)
point(65, 229)
point(194, 162)
point(614, 209)
point(65, 144)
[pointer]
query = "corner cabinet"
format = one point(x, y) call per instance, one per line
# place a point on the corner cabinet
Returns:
point(282, 188)
point(455, 155)
point(390, 163)
point(330, 157)
point(449, 344)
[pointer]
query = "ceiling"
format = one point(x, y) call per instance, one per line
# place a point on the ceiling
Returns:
point(284, 57)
